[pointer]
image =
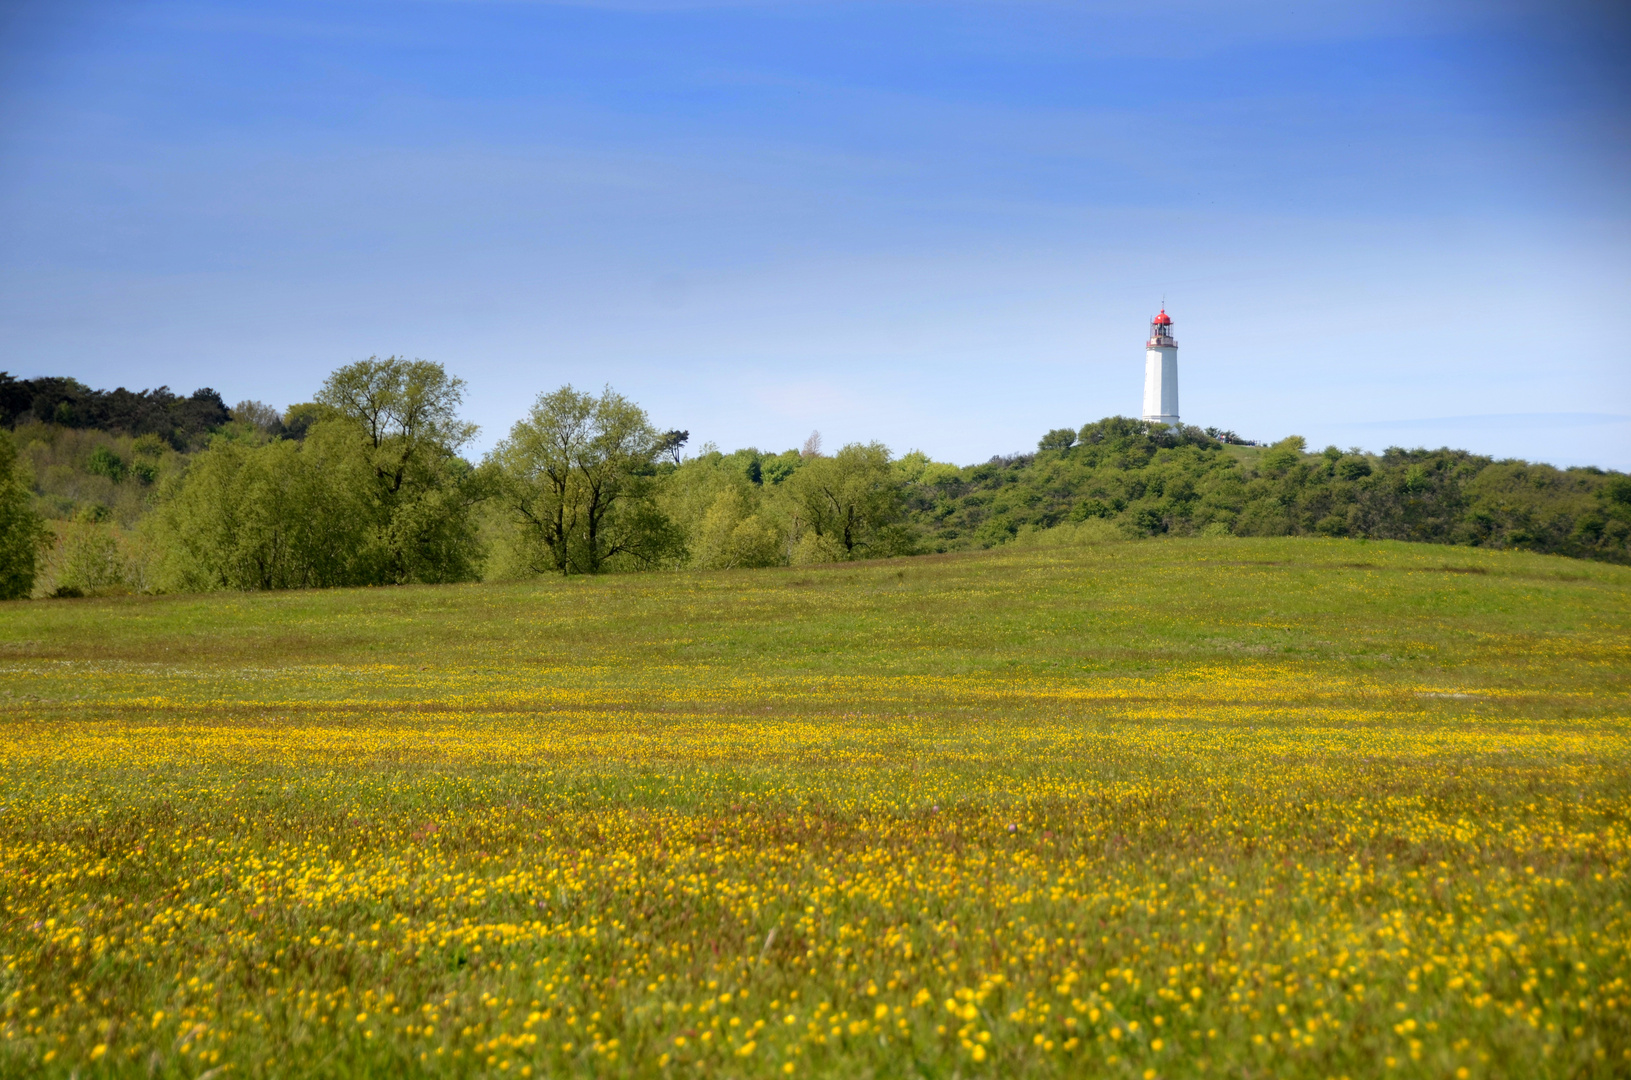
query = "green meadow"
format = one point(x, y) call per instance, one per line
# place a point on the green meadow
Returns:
point(1165, 808)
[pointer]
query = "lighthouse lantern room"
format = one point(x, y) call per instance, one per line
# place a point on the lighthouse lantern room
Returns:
point(1161, 372)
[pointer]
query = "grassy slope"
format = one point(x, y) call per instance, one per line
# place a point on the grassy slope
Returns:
point(1236, 719)
point(1396, 612)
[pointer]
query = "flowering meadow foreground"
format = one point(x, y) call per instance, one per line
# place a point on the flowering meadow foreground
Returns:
point(1236, 808)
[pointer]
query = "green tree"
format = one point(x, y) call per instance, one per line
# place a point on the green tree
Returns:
point(24, 536)
point(1058, 439)
point(260, 416)
point(1186, 481)
point(578, 476)
point(368, 490)
point(281, 515)
point(725, 508)
point(406, 414)
point(734, 533)
point(298, 419)
point(847, 506)
point(90, 561)
point(104, 462)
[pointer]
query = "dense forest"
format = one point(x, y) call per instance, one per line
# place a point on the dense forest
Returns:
point(366, 484)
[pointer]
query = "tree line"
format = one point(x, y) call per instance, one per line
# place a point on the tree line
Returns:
point(182, 422)
point(367, 484)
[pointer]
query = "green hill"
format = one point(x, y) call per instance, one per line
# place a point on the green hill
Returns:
point(1215, 806)
point(1188, 482)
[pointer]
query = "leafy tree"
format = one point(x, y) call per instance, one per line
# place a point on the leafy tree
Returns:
point(671, 442)
point(725, 510)
point(260, 416)
point(405, 413)
point(847, 506)
point(372, 492)
point(1058, 439)
point(91, 561)
point(1148, 481)
point(281, 515)
point(578, 476)
point(404, 406)
point(1283, 456)
point(775, 469)
point(24, 536)
point(298, 419)
point(105, 462)
point(733, 534)
point(16, 398)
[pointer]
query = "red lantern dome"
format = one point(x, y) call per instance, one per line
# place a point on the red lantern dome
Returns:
point(1161, 330)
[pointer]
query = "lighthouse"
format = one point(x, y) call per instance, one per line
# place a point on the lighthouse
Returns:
point(1161, 372)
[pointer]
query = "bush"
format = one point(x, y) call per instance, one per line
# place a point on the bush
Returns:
point(24, 537)
point(104, 462)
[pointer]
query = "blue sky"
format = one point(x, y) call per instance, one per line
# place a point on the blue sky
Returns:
point(940, 225)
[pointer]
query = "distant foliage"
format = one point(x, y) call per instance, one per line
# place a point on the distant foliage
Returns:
point(260, 416)
point(91, 560)
point(80, 471)
point(734, 532)
point(798, 507)
point(181, 421)
point(727, 510)
point(1058, 439)
point(104, 462)
point(1227, 437)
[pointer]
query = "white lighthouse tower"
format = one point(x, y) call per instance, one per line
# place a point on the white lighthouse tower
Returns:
point(1161, 372)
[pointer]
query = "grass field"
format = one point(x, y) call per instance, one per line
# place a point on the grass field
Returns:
point(1227, 807)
